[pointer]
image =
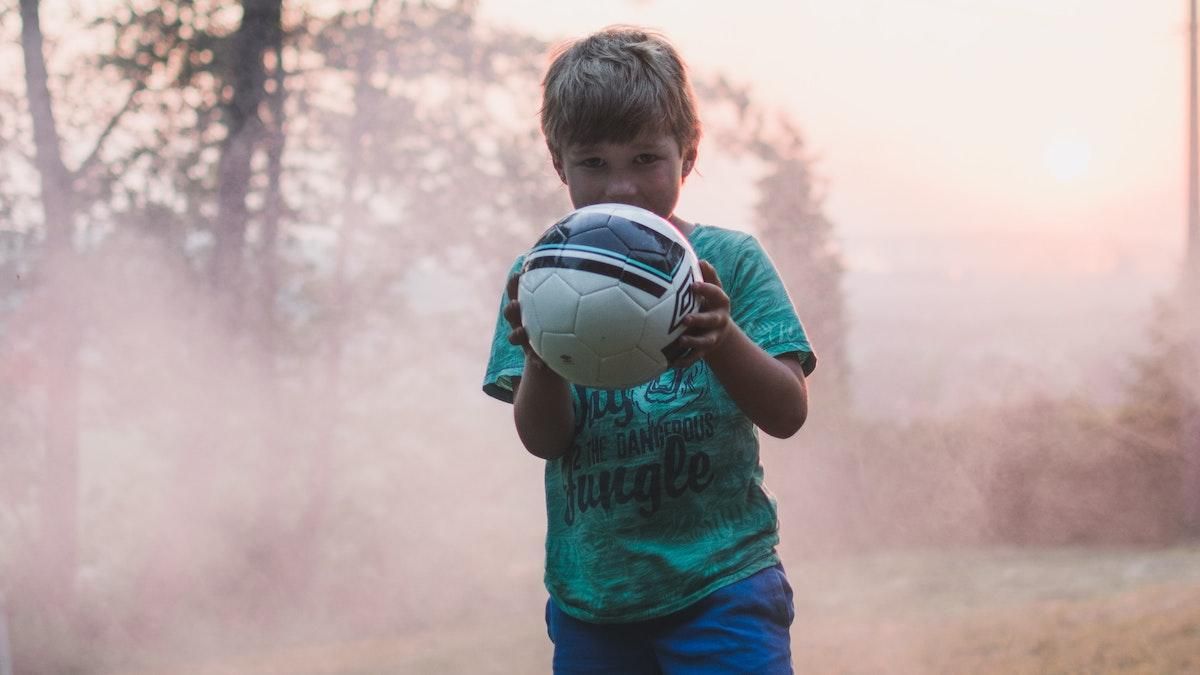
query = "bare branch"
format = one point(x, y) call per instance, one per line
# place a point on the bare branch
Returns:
point(94, 156)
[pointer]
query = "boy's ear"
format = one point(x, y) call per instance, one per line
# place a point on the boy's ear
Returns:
point(689, 161)
point(557, 161)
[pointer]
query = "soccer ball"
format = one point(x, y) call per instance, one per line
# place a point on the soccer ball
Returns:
point(603, 294)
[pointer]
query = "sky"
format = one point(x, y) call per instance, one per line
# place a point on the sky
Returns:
point(919, 111)
point(1005, 177)
point(979, 156)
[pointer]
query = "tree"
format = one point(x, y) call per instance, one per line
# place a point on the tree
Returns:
point(258, 34)
point(59, 504)
point(57, 534)
point(353, 180)
point(790, 216)
point(800, 237)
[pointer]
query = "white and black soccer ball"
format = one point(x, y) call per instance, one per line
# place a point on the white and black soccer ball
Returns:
point(603, 294)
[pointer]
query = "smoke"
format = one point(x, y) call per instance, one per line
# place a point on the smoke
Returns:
point(227, 502)
point(341, 491)
point(229, 506)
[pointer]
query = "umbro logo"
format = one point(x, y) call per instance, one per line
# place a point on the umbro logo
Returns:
point(685, 301)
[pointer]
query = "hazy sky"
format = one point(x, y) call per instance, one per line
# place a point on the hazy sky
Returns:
point(1005, 176)
point(1017, 159)
point(1060, 118)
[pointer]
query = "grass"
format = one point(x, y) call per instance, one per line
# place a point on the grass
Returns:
point(979, 611)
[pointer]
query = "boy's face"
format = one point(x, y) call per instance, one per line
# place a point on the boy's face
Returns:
point(645, 172)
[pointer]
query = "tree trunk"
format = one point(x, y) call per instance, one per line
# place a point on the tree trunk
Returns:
point(257, 32)
point(47, 603)
point(59, 502)
point(268, 261)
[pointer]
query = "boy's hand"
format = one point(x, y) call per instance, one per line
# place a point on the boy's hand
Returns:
point(707, 328)
point(518, 335)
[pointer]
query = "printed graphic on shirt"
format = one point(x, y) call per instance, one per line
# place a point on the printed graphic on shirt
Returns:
point(642, 458)
point(662, 497)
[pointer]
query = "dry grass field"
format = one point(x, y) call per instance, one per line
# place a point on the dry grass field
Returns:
point(980, 611)
point(1005, 612)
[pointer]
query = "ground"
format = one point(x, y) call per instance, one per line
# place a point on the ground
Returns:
point(975, 611)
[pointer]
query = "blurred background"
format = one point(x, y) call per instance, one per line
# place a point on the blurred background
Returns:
point(251, 256)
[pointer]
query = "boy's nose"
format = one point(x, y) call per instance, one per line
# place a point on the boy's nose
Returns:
point(620, 186)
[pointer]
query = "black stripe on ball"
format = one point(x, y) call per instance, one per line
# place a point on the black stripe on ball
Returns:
point(597, 267)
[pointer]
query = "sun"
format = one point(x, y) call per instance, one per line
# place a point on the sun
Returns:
point(1067, 158)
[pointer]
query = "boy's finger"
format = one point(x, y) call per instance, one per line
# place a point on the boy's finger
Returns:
point(701, 320)
point(711, 295)
point(709, 273)
point(512, 285)
point(700, 342)
point(518, 337)
point(512, 313)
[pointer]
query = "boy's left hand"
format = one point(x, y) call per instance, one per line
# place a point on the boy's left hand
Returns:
point(707, 328)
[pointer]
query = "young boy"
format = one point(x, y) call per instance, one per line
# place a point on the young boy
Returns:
point(660, 549)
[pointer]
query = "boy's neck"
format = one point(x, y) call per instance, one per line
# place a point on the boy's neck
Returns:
point(684, 226)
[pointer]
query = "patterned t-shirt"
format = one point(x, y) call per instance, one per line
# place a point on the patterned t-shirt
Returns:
point(660, 499)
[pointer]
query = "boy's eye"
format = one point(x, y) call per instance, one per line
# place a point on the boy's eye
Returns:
point(592, 162)
point(645, 158)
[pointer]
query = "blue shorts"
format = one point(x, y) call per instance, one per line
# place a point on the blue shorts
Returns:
point(741, 628)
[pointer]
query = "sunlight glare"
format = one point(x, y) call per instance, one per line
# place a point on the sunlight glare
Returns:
point(1067, 159)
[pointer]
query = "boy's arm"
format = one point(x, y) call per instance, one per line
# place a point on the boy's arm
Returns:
point(542, 408)
point(542, 412)
point(771, 391)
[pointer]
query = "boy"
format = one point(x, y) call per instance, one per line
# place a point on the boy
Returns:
point(660, 548)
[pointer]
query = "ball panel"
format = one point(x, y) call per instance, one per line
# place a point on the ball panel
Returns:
point(566, 355)
point(584, 281)
point(656, 252)
point(661, 327)
point(611, 321)
point(662, 357)
point(532, 278)
point(529, 317)
point(628, 369)
point(597, 232)
point(557, 304)
point(555, 234)
point(669, 235)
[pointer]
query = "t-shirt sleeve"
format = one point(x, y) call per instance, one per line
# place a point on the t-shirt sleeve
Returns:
point(761, 306)
point(506, 361)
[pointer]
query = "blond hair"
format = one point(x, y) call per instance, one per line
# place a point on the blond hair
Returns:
point(615, 84)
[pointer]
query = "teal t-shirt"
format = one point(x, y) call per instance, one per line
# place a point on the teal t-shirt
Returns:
point(660, 500)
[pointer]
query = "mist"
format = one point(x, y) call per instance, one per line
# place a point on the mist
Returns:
point(243, 329)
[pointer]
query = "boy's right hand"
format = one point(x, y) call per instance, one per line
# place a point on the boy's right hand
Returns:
point(542, 406)
point(518, 335)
